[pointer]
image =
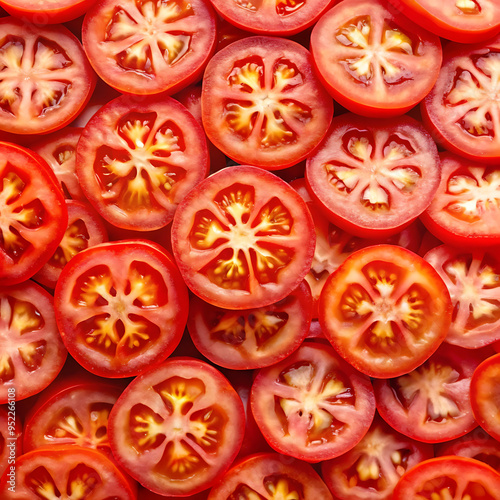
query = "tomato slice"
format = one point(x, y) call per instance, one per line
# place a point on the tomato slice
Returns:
point(462, 108)
point(272, 17)
point(372, 468)
point(251, 338)
point(137, 158)
point(312, 405)
point(66, 472)
point(176, 428)
point(485, 395)
point(463, 211)
point(473, 280)
point(45, 77)
point(269, 475)
point(243, 238)
point(454, 478)
point(48, 12)
point(121, 307)
point(464, 21)
point(385, 310)
point(85, 229)
point(32, 353)
point(373, 177)
point(142, 47)
point(372, 59)
point(262, 103)
point(432, 403)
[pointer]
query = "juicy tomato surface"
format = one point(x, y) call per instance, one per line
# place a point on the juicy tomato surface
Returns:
point(45, 77)
point(48, 11)
point(313, 405)
point(385, 310)
point(243, 238)
point(262, 103)
point(177, 428)
point(121, 307)
point(372, 59)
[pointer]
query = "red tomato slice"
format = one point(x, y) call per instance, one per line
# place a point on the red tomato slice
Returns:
point(432, 403)
point(137, 158)
point(147, 48)
point(462, 21)
point(121, 307)
point(32, 352)
point(464, 211)
point(177, 428)
point(243, 238)
point(10, 437)
point(312, 405)
point(485, 395)
point(48, 11)
point(58, 150)
point(372, 59)
point(272, 17)
point(45, 77)
point(473, 280)
point(252, 338)
point(372, 177)
point(456, 478)
point(85, 229)
point(462, 108)
point(385, 310)
point(269, 475)
point(372, 468)
point(66, 472)
point(262, 103)
point(33, 215)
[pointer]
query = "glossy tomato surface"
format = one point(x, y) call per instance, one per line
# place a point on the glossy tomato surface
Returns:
point(48, 11)
point(372, 59)
point(243, 238)
point(385, 310)
point(121, 307)
point(177, 428)
point(262, 103)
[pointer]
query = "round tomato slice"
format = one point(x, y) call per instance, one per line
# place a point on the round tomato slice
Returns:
point(243, 238)
point(121, 307)
point(464, 211)
point(462, 109)
point(464, 21)
point(45, 77)
point(432, 403)
point(251, 338)
point(65, 472)
point(372, 468)
point(385, 310)
point(85, 229)
point(312, 405)
point(31, 350)
point(59, 150)
point(473, 280)
point(137, 158)
point(142, 47)
point(272, 17)
point(262, 103)
point(372, 177)
point(177, 427)
point(453, 478)
point(48, 11)
point(33, 215)
point(267, 476)
point(372, 59)
point(485, 395)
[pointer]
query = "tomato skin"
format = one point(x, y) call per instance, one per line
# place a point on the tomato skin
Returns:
point(354, 303)
point(50, 12)
point(372, 93)
point(178, 392)
point(445, 475)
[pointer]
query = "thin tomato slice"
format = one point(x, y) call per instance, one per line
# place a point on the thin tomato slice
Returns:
point(262, 103)
point(243, 238)
point(385, 310)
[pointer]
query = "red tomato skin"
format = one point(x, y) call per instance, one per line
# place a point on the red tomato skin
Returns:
point(48, 12)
